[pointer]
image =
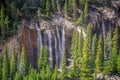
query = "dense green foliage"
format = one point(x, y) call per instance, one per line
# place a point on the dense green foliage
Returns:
point(6, 66)
point(89, 59)
point(13, 11)
point(90, 55)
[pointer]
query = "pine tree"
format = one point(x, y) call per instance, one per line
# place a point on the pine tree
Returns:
point(48, 73)
point(43, 59)
point(82, 2)
point(55, 74)
point(23, 66)
point(13, 65)
point(32, 74)
point(74, 9)
point(2, 22)
point(48, 9)
point(66, 9)
point(85, 11)
point(63, 67)
point(94, 49)
point(6, 26)
point(42, 74)
point(75, 49)
point(6, 67)
point(13, 10)
point(99, 57)
point(86, 65)
point(80, 46)
point(118, 64)
point(114, 50)
point(1, 62)
point(107, 68)
point(17, 76)
point(108, 46)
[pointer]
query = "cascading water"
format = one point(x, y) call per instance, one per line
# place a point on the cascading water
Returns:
point(103, 30)
point(56, 53)
point(59, 43)
point(39, 38)
point(63, 38)
point(59, 46)
point(49, 37)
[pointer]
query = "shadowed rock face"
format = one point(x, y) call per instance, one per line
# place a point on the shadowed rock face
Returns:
point(104, 19)
point(56, 36)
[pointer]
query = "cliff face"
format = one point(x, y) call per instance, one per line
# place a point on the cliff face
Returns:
point(56, 33)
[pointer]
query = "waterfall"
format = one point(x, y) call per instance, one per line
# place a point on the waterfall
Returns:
point(59, 43)
point(39, 38)
point(50, 47)
point(63, 38)
point(59, 46)
point(56, 53)
point(103, 30)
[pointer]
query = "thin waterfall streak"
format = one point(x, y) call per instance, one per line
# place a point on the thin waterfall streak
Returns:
point(59, 45)
point(50, 47)
point(63, 41)
point(63, 38)
point(39, 39)
point(103, 30)
point(56, 53)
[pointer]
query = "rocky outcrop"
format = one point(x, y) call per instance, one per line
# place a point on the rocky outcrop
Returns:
point(55, 34)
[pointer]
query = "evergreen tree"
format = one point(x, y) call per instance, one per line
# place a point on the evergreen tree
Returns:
point(1, 62)
point(6, 26)
point(2, 22)
point(114, 50)
point(118, 64)
point(86, 65)
point(13, 10)
point(80, 47)
point(66, 9)
point(48, 9)
point(42, 74)
point(76, 49)
point(13, 65)
point(55, 74)
point(63, 67)
point(17, 76)
point(99, 57)
point(107, 55)
point(32, 74)
point(48, 73)
point(94, 49)
point(82, 2)
point(108, 47)
point(43, 59)
point(6, 67)
point(23, 66)
point(107, 68)
point(85, 11)
point(74, 9)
